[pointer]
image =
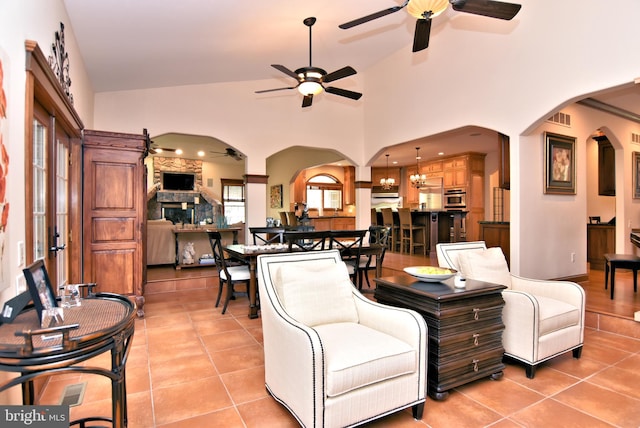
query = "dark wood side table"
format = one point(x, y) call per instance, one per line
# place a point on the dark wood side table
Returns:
point(103, 323)
point(465, 327)
point(620, 261)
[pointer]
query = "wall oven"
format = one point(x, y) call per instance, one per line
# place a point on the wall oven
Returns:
point(455, 199)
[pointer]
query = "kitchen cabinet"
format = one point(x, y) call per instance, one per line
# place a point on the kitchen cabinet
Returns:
point(333, 223)
point(504, 176)
point(349, 185)
point(378, 174)
point(496, 234)
point(606, 167)
point(115, 212)
point(601, 239)
point(455, 173)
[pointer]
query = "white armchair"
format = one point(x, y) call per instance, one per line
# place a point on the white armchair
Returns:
point(333, 357)
point(542, 319)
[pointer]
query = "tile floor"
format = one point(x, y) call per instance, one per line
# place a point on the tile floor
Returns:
point(192, 367)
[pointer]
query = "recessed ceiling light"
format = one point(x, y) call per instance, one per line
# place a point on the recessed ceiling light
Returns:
point(200, 153)
point(178, 151)
point(395, 162)
point(440, 153)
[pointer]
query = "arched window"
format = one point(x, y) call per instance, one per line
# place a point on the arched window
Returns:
point(324, 192)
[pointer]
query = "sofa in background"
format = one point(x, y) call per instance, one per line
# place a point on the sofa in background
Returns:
point(161, 242)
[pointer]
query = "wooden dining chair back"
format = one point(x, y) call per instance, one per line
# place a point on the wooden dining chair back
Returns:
point(293, 220)
point(306, 240)
point(387, 220)
point(267, 235)
point(228, 275)
point(412, 235)
point(349, 243)
point(283, 218)
point(378, 238)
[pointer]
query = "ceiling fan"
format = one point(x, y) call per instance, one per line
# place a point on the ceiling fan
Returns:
point(230, 153)
point(425, 10)
point(154, 149)
point(311, 79)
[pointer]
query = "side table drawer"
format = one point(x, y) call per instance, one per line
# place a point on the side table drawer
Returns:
point(473, 341)
point(459, 371)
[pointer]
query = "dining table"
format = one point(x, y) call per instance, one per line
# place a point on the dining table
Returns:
point(249, 254)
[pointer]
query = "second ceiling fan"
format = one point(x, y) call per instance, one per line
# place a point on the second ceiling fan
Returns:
point(311, 79)
point(425, 10)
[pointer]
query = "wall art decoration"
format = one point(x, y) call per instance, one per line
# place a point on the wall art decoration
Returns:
point(276, 196)
point(559, 164)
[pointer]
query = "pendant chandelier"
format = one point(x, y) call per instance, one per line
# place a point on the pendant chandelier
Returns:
point(417, 179)
point(387, 182)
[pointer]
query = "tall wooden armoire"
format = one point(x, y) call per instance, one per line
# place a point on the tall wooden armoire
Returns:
point(114, 212)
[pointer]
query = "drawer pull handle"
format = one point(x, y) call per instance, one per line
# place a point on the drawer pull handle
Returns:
point(476, 313)
point(475, 365)
point(475, 339)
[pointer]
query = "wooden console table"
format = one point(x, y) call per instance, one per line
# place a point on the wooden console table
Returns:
point(465, 327)
point(200, 230)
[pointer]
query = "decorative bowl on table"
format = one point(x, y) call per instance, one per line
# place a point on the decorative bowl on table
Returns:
point(430, 273)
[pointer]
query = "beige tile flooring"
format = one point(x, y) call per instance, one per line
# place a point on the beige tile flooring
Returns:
point(192, 367)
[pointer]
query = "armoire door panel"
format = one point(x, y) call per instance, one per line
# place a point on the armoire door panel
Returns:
point(114, 270)
point(113, 230)
point(114, 186)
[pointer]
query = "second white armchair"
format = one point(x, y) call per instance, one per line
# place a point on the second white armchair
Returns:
point(542, 319)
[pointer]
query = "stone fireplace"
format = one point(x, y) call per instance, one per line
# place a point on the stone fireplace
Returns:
point(181, 206)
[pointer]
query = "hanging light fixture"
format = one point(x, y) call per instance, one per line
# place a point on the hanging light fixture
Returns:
point(387, 182)
point(417, 179)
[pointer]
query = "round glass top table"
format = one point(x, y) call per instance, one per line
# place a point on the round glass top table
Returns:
point(103, 323)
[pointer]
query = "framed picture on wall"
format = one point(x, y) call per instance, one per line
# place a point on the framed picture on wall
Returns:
point(635, 168)
point(559, 164)
point(276, 196)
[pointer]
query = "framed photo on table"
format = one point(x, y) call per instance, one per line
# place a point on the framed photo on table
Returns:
point(40, 287)
point(559, 164)
point(276, 196)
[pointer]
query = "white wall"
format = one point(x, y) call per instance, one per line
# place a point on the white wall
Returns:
point(507, 76)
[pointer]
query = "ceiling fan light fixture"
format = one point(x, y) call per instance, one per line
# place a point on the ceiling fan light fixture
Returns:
point(310, 82)
point(417, 8)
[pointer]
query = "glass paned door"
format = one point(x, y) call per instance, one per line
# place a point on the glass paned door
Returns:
point(62, 211)
point(39, 169)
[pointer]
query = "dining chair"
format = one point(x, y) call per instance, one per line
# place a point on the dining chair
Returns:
point(293, 220)
point(387, 220)
point(283, 218)
point(267, 235)
point(410, 231)
point(378, 236)
point(349, 243)
point(306, 240)
point(229, 275)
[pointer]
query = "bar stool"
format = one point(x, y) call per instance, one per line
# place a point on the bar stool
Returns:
point(387, 220)
point(410, 231)
point(620, 261)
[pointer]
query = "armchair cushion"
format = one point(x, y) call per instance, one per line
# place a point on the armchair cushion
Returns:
point(556, 315)
point(485, 265)
point(315, 295)
point(358, 356)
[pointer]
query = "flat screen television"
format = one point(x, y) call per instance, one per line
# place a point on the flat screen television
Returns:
point(177, 181)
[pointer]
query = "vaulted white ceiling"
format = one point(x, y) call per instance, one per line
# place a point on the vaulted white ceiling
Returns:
point(135, 44)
